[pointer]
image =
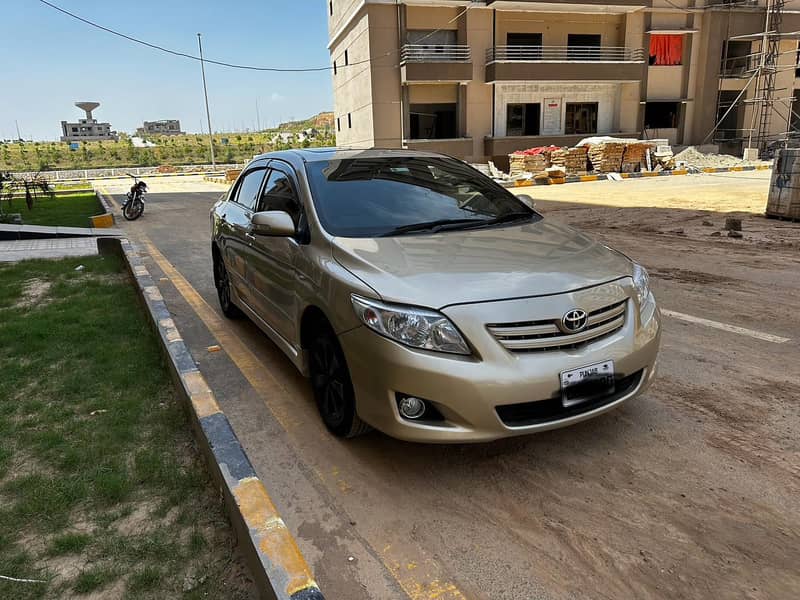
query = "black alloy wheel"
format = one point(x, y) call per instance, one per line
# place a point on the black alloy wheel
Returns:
point(223, 282)
point(333, 389)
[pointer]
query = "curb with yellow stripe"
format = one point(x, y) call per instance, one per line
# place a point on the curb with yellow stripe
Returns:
point(604, 177)
point(275, 560)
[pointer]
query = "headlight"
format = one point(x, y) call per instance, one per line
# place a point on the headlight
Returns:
point(415, 327)
point(641, 281)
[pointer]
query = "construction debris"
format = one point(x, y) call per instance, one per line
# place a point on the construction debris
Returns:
point(692, 157)
point(610, 156)
point(733, 224)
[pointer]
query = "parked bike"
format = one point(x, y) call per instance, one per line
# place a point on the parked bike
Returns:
point(134, 203)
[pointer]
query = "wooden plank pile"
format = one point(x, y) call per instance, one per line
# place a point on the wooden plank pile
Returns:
point(572, 160)
point(606, 157)
point(526, 163)
point(635, 157)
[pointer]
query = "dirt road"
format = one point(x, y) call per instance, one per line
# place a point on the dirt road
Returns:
point(691, 491)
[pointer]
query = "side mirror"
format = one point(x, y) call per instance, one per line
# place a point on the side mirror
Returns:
point(275, 223)
point(527, 200)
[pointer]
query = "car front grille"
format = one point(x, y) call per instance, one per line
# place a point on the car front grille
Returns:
point(553, 409)
point(537, 336)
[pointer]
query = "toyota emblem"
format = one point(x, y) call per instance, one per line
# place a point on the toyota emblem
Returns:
point(574, 321)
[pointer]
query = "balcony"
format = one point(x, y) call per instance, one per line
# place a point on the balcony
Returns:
point(564, 63)
point(740, 67)
point(435, 62)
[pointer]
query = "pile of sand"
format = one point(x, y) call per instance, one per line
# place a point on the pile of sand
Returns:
point(694, 158)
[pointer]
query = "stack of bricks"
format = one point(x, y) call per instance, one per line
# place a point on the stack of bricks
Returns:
point(572, 160)
point(635, 157)
point(606, 157)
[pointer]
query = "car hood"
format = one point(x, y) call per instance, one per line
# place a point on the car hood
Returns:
point(457, 267)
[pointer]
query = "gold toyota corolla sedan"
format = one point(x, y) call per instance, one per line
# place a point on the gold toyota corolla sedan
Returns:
point(424, 300)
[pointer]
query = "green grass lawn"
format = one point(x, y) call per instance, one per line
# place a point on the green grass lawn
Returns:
point(69, 210)
point(101, 489)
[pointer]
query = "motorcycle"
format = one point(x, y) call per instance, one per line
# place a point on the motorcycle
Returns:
point(134, 203)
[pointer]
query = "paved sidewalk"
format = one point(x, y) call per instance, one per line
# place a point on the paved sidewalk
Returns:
point(47, 248)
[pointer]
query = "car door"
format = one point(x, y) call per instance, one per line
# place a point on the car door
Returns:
point(236, 235)
point(271, 269)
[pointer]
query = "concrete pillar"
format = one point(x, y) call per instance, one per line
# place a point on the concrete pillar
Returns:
point(479, 23)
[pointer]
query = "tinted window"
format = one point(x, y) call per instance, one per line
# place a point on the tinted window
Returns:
point(279, 194)
point(249, 187)
point(370, 197)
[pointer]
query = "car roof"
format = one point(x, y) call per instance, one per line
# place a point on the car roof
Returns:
point(324, 154)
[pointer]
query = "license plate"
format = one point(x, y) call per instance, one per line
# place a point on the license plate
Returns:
point(586, 383)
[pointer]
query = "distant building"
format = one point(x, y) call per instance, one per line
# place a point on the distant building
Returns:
point(163, 127)
point(88, 129)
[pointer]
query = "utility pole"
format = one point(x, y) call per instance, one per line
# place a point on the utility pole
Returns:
point(258, 117)
point(19, 136)
point(205, 94)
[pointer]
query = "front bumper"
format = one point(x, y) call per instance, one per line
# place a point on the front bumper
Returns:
point(468, 390)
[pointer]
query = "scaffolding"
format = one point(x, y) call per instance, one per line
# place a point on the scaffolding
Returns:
point(760, 68)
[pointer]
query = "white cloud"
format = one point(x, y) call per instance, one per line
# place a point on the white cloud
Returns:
point(276, 97)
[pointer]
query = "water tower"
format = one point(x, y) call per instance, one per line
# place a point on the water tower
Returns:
point(88, 107)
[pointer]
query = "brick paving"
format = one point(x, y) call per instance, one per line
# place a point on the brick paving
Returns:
point(17, 250)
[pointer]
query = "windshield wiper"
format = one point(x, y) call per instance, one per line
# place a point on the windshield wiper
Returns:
point(506, 218)
point(434, 226)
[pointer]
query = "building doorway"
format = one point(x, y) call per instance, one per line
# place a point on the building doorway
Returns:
point(433, 121)
point(523, 119)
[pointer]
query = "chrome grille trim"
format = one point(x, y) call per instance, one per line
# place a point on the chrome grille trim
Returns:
point(546, 335)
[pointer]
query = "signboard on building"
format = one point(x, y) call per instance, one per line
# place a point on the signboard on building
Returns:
point(551, 119)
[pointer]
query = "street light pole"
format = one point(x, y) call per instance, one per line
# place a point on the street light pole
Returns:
point(205, 93)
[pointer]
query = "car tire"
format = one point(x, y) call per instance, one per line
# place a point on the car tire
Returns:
point(224, 293)
point(332, 386)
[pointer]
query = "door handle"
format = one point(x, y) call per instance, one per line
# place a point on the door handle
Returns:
point(250, 237)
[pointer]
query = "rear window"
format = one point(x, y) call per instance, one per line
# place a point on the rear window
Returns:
point(371, 197)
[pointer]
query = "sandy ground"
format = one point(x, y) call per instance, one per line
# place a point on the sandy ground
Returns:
point(694, 206)
point(691, 491)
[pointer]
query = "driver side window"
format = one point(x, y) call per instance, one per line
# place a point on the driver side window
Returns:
point(247, 194)
point(279, 194)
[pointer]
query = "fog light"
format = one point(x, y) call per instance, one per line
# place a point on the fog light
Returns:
point(411, 408)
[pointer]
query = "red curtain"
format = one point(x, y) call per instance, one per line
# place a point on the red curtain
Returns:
point(666, 49)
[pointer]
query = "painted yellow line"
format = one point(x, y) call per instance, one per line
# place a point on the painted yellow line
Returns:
point(759, 335)
point(421, 583)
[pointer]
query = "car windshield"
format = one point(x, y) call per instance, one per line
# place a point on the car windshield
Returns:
point(402, 195)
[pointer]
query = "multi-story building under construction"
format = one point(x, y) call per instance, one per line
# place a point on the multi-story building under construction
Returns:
point(480, 79)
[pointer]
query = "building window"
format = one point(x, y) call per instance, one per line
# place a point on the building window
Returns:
point(738, 58)
point(433, 121)
point(334, 67)
point(661, 115)
point(349, 121)
point(666, 50)
point(523, 119)
point(581, 118)
point(346, 59)
point(583, 46)
point(74, 130)
point(338, 124)
point(729, 127)
point(330, 7)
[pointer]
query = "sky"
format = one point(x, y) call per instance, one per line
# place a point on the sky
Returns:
point(49, 61)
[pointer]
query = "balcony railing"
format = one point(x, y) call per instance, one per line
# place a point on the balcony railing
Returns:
point(423, 53)
point(740, 66)
point(557, 54)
